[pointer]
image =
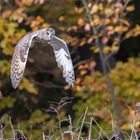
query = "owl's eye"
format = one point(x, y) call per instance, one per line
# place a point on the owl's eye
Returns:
point(47, 33)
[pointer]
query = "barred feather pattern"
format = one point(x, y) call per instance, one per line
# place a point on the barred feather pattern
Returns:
point(63, 59)
point(60, 49)
point(19, 59)
point(64, 63)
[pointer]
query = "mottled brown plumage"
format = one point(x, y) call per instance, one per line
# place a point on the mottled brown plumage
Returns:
point(60, 49)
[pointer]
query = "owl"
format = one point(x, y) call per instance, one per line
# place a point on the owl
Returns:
point(43, 36)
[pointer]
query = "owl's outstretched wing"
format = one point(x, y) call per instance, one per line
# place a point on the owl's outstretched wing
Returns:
point(20, 58)
point(63, 59)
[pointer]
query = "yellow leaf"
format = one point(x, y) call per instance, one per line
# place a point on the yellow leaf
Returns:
point(8, 50)
point(108, 12)
point(132, 114)
point(114, 48)
point(89, 4)
point(35, 28)
point(28, 3)
point(95, 49)
point(81, 67)
point(94, 9)
point(83, 72)
point(130, 8)
point(45, 25)
point(101, 7)
point(26, 84)
point(4, 67)
point(126, 126)
point(107, 49)
point(78, 88)
point(121, 29)
point(118, 28)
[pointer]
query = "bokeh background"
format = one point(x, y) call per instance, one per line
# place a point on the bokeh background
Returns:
point(104, 42)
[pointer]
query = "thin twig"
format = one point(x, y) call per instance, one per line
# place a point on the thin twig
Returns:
point(21, 133)
point(104, 65)
point(79, 120)
point(56, 109)
point(59, 122)
point(82, 62)
point(100, 128)
point(125, 5)
point(70, 126)
point(90, 128)
point(13, 131)
point(44, 136)
point(84, 117)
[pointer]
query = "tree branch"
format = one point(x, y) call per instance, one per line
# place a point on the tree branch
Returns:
point(105, 64)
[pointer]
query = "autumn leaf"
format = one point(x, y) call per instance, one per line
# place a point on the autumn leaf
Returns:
point(107, 49)
point(78, 80)
point(78, 10)
point(96, 21)
point(78, 88)
point(27, 85)
point(61, 18)
point(95, 49)
point(66, 87)
point(132, 114)
point(83, 72)
point(114, 48)
point(81, 67)
point(94, 9)
point(8, 50)
point(87, 27)
point(81, 22)
point(45, 25)
point(83, 42)
point(130, 8)
point(105, 40)
point(39, 19)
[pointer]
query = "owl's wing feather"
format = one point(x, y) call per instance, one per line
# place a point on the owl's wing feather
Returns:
point(20, 58)
point(63, 59)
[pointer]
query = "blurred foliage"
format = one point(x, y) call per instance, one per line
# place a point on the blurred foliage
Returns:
point(93, 90)
point(43, 81)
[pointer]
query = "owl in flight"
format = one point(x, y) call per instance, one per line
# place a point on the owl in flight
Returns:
point(43, 36)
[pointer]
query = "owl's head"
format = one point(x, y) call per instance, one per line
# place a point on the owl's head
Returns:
point(49, 34)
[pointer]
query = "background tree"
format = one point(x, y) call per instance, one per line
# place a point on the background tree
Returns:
point(100, 49)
